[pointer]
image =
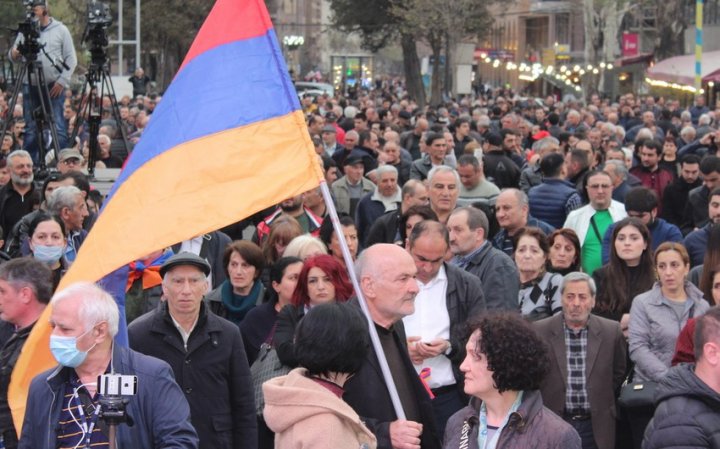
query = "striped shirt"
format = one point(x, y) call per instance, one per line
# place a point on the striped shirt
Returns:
point(75, 423)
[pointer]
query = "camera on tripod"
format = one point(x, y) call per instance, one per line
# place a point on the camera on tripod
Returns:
point(99, 20)
point(30, 30)
point(98, 14)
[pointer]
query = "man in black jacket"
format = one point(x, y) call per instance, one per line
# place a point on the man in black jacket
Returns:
point(25, 290)
point(386, 228)
point(206, 354)
point(16, 196)
point(386, 274)
point(676, 193)
point(696, 207)
point(448, 296)
point(688, 398)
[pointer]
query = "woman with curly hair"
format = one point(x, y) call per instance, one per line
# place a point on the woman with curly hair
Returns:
point(322, 280)
point(505, 364)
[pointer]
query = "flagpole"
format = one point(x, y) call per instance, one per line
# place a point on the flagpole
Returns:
point(332, 214)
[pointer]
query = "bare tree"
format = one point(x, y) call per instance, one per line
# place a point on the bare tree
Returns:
point(602, 40)
point(671, 21)
point(442, 25)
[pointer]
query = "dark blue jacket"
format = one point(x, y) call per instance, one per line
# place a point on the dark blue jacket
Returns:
point(661, 231)
point(696, 243)
point(159, 410)
point(686, 414)
point(549, 201)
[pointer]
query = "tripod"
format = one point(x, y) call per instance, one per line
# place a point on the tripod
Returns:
point(91, 110)
point(31, 72)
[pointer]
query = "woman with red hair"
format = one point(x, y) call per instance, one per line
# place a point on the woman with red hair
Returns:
point(321, 280)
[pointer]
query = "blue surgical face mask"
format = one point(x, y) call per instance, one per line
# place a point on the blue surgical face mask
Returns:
point(48, 254)
point(65, 350)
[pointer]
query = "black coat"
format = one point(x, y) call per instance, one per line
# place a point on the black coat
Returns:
point(674, 199)
point(464, 300)
point(385, 229)
point(213, 373)
point(687, 413)
point(368, 396)
point(287, 320)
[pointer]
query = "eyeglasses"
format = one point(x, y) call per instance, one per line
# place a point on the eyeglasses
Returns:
point(599, 186)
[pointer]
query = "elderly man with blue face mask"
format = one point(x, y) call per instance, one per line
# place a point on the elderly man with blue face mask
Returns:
point(63, 407)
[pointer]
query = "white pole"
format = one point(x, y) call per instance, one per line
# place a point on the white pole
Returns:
point(121, 56)
point(332, 214)
point(138, 63)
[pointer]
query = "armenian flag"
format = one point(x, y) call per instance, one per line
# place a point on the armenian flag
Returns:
point(227, 139)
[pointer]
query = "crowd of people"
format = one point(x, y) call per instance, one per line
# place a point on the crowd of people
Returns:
point(521, 260)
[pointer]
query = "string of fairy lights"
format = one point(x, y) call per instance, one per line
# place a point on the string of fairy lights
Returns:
point(572, 74)
point(682, 87)
point(568, 74)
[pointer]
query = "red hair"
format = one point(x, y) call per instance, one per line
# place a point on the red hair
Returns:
point(330, 266)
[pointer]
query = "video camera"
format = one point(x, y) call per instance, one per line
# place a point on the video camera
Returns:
point(98, 14)
point(30, 30)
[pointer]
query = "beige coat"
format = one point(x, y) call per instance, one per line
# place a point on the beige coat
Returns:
point(304, 414)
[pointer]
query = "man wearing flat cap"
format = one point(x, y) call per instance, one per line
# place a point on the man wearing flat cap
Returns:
point(328, 133)
point(205, 352)
point(350, 188)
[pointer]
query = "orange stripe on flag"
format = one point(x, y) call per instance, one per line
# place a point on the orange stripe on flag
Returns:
point(194, 188)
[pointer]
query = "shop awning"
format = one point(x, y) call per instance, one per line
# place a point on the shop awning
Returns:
point(641, 58)
point(681, 69)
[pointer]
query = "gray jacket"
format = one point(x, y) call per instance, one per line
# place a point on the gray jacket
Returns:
point(342, 193)
point(464, 300)
point(499, 276)
point(58, 45)
point(654, 329)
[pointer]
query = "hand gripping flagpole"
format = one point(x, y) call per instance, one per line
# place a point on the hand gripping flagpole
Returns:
point(332, 213)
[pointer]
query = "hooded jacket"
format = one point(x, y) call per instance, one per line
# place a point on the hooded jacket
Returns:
point(687, 412)
point(304, 414)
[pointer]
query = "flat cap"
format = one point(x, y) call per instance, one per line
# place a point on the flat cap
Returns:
point(355, 157)
point(185, 258)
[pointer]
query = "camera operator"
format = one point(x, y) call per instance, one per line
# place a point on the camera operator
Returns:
point(63, 403)
point(58, 60)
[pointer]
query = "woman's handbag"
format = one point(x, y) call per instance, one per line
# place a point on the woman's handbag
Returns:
point(267, 366)
point(637, 394)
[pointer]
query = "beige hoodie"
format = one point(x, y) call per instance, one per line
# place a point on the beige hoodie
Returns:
point(304, 414)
